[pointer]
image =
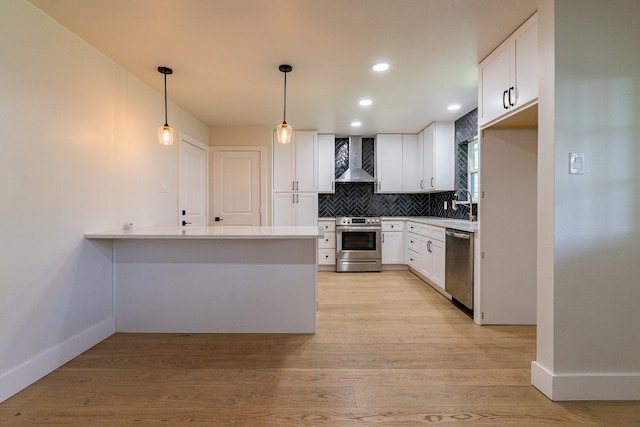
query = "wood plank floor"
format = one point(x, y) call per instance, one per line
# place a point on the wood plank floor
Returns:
point(389, 351)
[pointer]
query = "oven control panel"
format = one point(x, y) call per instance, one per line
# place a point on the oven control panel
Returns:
point(357, 221)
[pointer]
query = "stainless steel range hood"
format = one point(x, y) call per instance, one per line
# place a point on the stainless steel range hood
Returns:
point(355, 173)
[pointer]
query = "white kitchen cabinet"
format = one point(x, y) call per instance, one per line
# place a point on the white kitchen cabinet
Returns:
point(389, 163)
point(425, 251)
point(326, 163)
point(410, 164)
point(327, 245)
point(295, 165)
point(397, 163)
point(295, 209)
point(436, 157)
point(392, 242)
point(508, 77)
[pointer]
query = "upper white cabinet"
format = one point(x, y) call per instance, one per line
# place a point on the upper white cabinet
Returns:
point(326, 163)
point(410, 164)
point(389, 163)
point(295, 164)
point(436, 157)
point(396, 163)
point(508, 77)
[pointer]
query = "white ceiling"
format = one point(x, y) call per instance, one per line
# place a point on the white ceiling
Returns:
point(225, 56)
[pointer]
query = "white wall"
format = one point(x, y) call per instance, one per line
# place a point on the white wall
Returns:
point(79, 154)
point(590, 348)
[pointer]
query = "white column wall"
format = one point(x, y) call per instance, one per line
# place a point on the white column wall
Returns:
point(594, 334)
point(79, 154)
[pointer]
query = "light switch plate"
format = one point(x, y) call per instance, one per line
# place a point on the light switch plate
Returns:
point(166, 187)
point(576, 163)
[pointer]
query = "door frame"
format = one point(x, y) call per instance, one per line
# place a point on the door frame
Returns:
point(183, 137)
point(264, 201)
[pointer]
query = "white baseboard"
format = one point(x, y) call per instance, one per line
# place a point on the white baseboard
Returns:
point(585, 386)
point(20, 377)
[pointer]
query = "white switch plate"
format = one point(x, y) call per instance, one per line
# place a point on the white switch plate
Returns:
point(166, 187)
point(576, 163)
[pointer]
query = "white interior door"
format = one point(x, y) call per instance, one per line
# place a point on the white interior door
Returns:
point(192, 182)
point(237, 186)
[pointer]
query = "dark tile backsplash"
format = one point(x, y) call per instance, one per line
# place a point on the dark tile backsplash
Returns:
point(359, 199)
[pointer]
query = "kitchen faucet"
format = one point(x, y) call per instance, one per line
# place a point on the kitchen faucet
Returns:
point(471, 215)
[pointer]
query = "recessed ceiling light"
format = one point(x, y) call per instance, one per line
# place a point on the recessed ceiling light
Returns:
point(365, 102)
point(453, 107)
point(380, 66)
point(356, 124)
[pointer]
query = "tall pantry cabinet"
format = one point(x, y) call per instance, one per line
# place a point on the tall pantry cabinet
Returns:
point(295, 180)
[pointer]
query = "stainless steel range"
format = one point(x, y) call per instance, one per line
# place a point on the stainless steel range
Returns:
point(358, 244)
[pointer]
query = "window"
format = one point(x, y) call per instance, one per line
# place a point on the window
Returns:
point(472, 167)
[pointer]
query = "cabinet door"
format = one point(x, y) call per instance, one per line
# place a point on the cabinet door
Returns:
point(283, 214)
point(283, 166)
point(392, 248)
point(326, 163)
point(444, 156)
point(410, 163)
point(525, 62)
point(306, 209)
point(425, 258)
point(425, 155)
point(493, 85)
point(306, 157)
point(389, 163)
point(438, 263)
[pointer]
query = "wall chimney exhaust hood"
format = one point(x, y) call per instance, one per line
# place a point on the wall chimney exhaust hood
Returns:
point(355, 173)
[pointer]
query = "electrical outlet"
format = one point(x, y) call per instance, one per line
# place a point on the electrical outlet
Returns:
point(445, 205)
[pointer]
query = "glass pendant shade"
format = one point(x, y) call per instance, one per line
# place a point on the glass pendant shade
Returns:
point(165, 135)
point(284, 133)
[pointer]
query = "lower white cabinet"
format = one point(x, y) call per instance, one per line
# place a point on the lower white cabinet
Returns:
point(392, 242)
point(295, 209)
point(327, 244)
point(425, 251)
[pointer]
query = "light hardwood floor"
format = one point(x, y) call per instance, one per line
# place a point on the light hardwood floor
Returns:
point(389, 350)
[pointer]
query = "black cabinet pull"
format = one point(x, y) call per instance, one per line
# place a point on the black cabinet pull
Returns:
point(512, 99)
point(185, 223)
point(504, 100)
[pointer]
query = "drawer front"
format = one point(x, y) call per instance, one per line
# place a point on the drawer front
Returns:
point(328, 241)
point(424, 230)
point(326, 256)
point(412, 259)
point(327, 225)
point(412, 227)
point(392, 225)
point(437, 233)
point(413, 242)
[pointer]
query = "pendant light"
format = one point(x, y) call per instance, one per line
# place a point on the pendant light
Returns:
point(165, 132)
point(284, 130)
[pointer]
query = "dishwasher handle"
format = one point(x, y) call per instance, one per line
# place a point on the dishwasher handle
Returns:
point(457, 235)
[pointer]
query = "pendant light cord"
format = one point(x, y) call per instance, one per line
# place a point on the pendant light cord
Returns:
point(284, 119)
point(166, 121)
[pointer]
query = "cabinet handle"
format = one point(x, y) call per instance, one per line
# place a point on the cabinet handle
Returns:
point(297, 198)
point(432, 183)
point(382, 237)
point(429, 245)
point(297, 185)
point(504, 100)
point(422, 184)
point(333, 186)
point(512, 101)
point(293, 198)
point(379, 184)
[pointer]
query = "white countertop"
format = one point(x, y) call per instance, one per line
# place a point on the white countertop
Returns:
point(212, 232)
point(458, 224)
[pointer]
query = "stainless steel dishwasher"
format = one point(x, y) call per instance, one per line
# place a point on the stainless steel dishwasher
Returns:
point(459, 266)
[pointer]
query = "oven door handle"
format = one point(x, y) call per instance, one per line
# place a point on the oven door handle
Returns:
point(343, 228)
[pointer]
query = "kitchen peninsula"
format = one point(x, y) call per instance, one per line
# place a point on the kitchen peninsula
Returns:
point(233, 279)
